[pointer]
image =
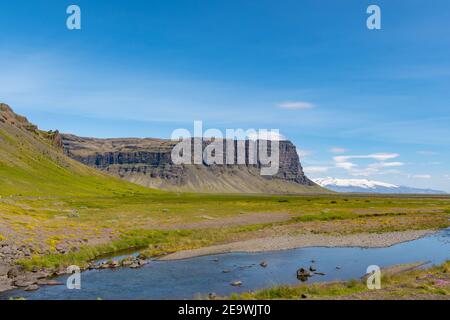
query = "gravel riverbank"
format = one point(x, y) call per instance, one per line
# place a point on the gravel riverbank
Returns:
point(369, 240)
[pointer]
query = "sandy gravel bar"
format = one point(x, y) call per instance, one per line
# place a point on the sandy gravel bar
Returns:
point(367, 240)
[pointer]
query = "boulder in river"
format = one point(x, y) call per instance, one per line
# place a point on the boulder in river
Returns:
point(263, 264)
point(236, 283)
point(127, 263)
point(24, 283)
point(47, 282)
point(212, 296)
point(303, 275)
point(140, 256)
point(32, 287)
point(114, 264)
point(142, 262)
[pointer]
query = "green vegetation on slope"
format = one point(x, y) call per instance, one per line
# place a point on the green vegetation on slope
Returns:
point(31, 166)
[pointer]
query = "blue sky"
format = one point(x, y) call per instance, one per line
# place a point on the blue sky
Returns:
point(357, 103)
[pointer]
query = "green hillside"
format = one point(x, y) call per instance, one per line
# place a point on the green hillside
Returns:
point(32, 164)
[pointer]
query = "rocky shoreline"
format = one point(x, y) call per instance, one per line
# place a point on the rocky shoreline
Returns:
point(13, 276)
point(10, 272)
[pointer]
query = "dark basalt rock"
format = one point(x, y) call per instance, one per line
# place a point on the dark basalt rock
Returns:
point(303, 275)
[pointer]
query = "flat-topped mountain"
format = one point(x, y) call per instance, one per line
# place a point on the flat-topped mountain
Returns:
point(148, 162)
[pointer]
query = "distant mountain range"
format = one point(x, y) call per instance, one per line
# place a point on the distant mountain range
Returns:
point(370, 186)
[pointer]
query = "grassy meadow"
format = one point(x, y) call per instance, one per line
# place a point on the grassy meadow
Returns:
point(161, 223)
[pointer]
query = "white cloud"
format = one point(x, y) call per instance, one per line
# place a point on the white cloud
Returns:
point(385, 165)
point(375, 156)
point(447, 176)
point(310, 170)
point(348, 163)
point(421, 176)
point(303, 153)
point(296, 105)
point(364, 172)
point(338, 150)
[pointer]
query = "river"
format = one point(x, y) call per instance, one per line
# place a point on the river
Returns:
point(199, 276)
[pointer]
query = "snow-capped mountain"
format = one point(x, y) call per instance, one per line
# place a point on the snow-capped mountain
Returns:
point(369, 186)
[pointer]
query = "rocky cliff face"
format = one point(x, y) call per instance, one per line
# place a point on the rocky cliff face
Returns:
point(9, 117)
point(148, 162)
